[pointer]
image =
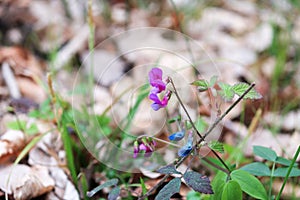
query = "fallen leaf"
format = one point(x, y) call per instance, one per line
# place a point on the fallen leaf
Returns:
point(25, 182)
point(27, 69)
point(11, 143)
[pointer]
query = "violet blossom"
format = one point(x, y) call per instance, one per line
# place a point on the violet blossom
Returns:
point(146, 146)
point(158, 86)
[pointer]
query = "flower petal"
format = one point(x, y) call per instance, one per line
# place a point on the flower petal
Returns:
point(155, 74)
point(177, 136)
point(185, 150)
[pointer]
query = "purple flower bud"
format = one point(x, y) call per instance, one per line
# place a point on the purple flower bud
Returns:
point(148, 149)
point(135, 149)
point(177, 136)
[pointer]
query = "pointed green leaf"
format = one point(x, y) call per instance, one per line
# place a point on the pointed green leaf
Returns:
point(198, 182)
point(202, 84)
point(226, 91)
point(265, 153)
point(114, 193)
point(217, 146)
point(282, 172)
point(284, 161)
point(249, 184)
point(232, 190)
point(169, 190)
point(218, 184)
point(257, 169)
point(169, 169)
point(144, 189)
point(240, 88)
point(108, 183)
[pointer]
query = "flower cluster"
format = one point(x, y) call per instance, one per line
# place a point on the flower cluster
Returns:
point(158, 86)
point(147, 146)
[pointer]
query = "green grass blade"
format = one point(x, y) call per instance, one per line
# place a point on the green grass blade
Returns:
point(288, 173)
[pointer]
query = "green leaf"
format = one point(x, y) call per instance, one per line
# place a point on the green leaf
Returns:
point(213, 81)
point(32, 129)
point(192, 195)
point(202, 84)
point(265, 153)
point(257, 169)
point(218, 184)
point(249, 184)
point(232, 190)
point(282, 172)
point(217, 146)
point(114, 193)
point(201, 125)
point(16, 125)
point(226, 91)
point(169, 169)
point(104, 121)
point(174, 119)
point(108, 183)
point(240, 88)
point(284, 161)
point(144, 189)
point(198, 182)
point(169, 190)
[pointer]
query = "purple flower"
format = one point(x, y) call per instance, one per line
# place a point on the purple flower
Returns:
point(148, 149)
point(177, 136)
point(157, 104)
point(158, 86)
point(147, 145)
point(186, 149)
point(155, 79)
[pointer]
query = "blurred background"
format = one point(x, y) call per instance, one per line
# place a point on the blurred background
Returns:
point(96, 53)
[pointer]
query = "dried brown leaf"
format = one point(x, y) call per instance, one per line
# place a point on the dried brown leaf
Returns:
point(11, 143)
point(24, 182)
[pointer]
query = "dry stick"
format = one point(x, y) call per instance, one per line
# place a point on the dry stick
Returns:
point(182, 159)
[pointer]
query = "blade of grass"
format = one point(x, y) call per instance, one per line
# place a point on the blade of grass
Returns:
point(144, 189)
point(84, 185)
point(288, 173)
point(68, 148)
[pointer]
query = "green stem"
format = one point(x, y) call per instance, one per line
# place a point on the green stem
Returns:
point(288, 173)
point(159, 140)
point(216, 166)
point(271, 180)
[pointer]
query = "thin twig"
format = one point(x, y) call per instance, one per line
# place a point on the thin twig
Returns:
point(217, 121)
point(215, 165)
point(185, 110)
